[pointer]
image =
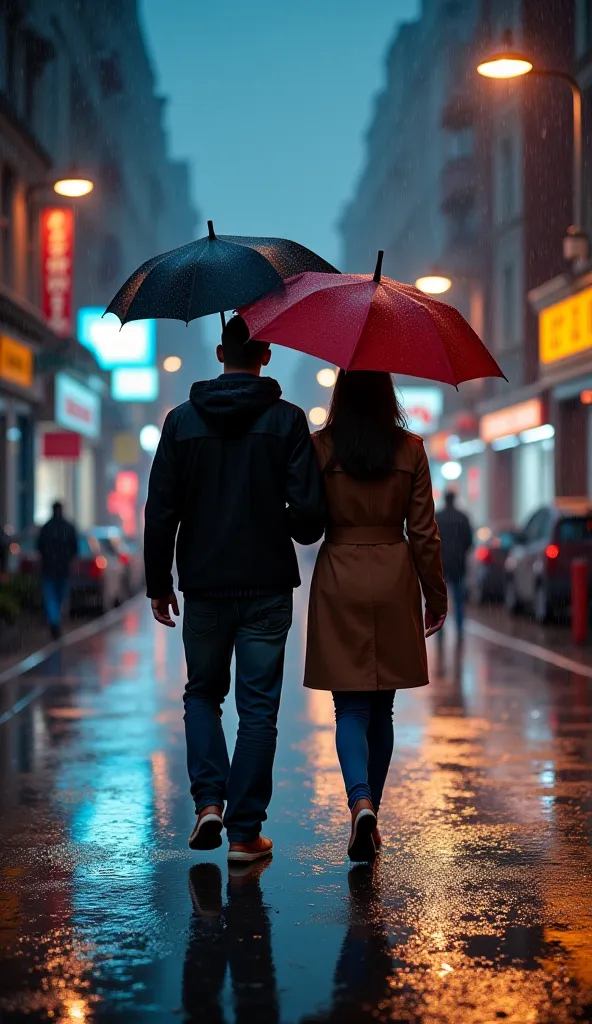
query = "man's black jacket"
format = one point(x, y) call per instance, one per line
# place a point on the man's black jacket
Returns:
point(235, 472)
point(57, 544)
point(456, 537)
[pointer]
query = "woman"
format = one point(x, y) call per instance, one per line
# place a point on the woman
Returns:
point(366, 635)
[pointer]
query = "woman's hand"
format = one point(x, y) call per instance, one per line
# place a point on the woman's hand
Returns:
point(433, 624)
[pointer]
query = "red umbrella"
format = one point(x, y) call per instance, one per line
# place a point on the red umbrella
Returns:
point(360, 322)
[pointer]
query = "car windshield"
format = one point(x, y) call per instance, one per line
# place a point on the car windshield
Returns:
point(506, 539)
point(575, 529)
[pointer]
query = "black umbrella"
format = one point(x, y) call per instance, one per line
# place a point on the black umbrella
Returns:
point(211, 275)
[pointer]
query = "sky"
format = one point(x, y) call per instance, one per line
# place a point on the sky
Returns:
point(269, 101)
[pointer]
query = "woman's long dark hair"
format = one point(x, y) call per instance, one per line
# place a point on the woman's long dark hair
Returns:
point(365, 424)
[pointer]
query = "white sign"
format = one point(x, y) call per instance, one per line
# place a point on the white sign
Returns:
point(77, 407)
point(423, 407)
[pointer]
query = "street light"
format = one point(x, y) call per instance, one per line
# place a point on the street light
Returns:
point(327, 377)
point(508, 63)
point(73, 187)
point(317, 416)
point(434, 284)
point(172, 363)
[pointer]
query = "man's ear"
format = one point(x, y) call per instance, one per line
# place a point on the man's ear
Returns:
point(220, 353)
point(266, 357)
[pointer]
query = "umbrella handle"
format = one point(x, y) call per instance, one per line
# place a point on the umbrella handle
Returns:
point(211, 232)
point(378, 270)
point(223, 319)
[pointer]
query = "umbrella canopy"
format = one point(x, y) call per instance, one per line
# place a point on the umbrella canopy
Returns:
point(360, 322)
point(211, 275)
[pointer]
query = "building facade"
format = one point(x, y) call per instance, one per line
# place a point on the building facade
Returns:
point(485, 200)
point(77, 98)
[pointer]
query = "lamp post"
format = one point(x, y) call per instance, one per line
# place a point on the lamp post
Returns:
point(509, 63)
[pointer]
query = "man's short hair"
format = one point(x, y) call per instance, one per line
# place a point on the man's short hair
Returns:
point(57, 507)
point(450, 498)
point(241, 351)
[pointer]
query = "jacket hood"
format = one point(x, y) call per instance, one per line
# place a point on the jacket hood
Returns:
point(232, 404)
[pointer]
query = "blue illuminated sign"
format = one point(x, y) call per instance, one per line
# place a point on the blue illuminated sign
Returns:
point(134, 384)
point(134, 344)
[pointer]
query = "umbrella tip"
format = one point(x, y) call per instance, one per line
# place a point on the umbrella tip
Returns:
point(378, 270)
point(211, 232)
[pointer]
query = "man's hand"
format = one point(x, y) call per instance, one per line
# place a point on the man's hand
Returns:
point(160, 608)
point(432, 624)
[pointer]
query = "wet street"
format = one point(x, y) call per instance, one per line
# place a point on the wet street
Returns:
point(479, 910)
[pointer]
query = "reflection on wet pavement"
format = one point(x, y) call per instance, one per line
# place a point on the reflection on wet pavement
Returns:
point(479, 909)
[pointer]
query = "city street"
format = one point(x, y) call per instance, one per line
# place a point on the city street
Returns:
point(478, 910)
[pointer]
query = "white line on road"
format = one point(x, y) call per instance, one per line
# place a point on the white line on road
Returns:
point(73, 637)
point(525, 647)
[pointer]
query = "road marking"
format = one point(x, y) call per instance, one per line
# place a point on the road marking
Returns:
point(73, 637)
point(525, 647)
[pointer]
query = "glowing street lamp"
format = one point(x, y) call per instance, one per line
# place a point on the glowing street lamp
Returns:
point(172, 363)
point(73, 187)
point(327, 377)
point(508, 63)
point(317, 416)
point(434, 284)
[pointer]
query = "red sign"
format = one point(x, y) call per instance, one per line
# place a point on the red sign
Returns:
point(57, 258)
point(63, 445)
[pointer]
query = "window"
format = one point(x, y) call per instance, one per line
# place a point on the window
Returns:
point(537, 528)
point(575, 530)
point(7, 190)
point(508, 305)
point(507, 183)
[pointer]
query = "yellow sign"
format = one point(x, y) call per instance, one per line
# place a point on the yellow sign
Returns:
point(566, 328)
point(126, 449)
point(16, 362)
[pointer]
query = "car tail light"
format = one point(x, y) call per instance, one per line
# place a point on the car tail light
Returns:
point(483, 554)
point(552, 551)
point(124, 558)
point(97, 566)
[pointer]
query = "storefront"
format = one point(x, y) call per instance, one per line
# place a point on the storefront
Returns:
point(66, 451)
point(520, 445)
point(19, 396)
point(564, 306)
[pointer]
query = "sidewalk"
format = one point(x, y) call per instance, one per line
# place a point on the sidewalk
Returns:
point(29, 635)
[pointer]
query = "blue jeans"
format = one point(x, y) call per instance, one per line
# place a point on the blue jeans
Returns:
point(459, 596)
point(256, 630)
point(55, 591)
point(364, 740)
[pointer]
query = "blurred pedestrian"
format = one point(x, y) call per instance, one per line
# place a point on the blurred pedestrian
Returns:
point(456, 535)
point(366, 631)
point(235, 473)
point(58, 546)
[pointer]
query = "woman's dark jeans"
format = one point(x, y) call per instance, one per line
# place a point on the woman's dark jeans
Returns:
point(255, 628)
point(364, 739)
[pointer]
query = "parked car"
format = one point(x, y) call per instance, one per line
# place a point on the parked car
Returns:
point(97, 579)
point(486, 565)
point(128, 552)
point(23, 556)
point(538, 566)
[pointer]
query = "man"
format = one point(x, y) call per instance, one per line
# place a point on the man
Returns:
point(236, 473)
point(58, 545)
point(456, 536)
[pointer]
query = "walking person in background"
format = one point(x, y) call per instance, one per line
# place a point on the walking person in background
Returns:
point(235, 471)
point(366, 630)
point(57, 545)
point(456, 535)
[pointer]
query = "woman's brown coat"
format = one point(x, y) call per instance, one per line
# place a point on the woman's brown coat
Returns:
point(365, 623)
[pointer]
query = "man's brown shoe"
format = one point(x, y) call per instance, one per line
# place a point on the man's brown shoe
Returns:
point(361, 844)
point(207, 831)
point(259, 848)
